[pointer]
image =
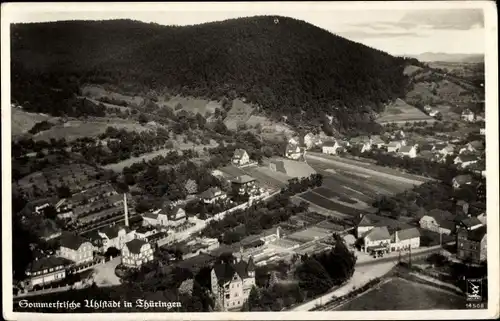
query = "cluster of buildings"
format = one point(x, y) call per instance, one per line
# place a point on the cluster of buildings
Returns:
point(469, 116)
point(378, 235)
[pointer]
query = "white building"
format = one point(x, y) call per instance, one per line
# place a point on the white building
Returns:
point(240, 157)
point(213, 195)
point(394, 146)
point(330, 147)
point(405, 239)
point(367, 146)
point(408, 151)
point(293, 151)
point(136, 252)
point(46, 270)
point(231, 283)
point(377, 239)
point(468, 115)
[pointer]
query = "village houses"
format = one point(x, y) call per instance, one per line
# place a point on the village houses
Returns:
point(438, 221)
point(136, 252)
point(240, 157)
point(75, 248)
point(231, 283)
point(468, 115)
point(408, 151)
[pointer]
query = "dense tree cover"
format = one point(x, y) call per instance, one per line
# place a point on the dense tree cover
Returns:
point(318, 273)
point(247, 57)
point(260, 216)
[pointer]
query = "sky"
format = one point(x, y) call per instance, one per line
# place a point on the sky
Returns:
point(399, 29)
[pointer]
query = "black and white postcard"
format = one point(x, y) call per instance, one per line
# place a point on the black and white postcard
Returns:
point(258, 161)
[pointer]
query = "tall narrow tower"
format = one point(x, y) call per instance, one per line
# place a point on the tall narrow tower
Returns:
point(125, 208)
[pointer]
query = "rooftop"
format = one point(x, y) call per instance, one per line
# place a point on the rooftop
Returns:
point(379, 233)
point(71, 241)
point(243, 179)
point(135, 245)
point(47, 263)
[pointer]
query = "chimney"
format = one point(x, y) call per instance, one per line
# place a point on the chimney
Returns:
point(125, 208)
point(278, 229)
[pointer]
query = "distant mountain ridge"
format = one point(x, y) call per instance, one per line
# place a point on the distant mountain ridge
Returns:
point(446, 57)
point(288, 67)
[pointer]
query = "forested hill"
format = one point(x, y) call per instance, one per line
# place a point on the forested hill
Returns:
point(285, 67)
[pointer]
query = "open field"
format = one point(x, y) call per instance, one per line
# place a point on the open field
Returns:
point(74, 129)
point(391, 175)
point(319, 200)
point(190, 104)
point(118, 167)
point(400, 294)
point(22, 121)
point(239, 113)
point(400, 111)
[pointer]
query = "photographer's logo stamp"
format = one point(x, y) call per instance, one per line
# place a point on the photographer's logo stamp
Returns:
point(474, 289)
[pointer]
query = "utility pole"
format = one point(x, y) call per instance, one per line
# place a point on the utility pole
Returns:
point(409, 260)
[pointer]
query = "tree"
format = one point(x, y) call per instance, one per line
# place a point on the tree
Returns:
point(191, 186)
point(63, 192)
point(112, 252)
point(313, 277)
point(143, 119)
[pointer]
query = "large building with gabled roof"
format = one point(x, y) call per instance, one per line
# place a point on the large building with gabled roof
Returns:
point(232, 282)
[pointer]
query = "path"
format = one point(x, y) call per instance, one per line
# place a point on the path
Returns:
point(104, 274)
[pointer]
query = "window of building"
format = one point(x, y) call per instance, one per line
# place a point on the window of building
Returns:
point(238, 302)
point(227, 296)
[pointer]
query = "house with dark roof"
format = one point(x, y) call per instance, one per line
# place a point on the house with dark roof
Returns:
point(471, 244)
point(370, 221)
point(465, 160)
point(469, 223)
point(212, 195)
point(438, 221)
point(405, 239)
point(377, 239)
point(46, 270)
point(136, 252)
point(231, 283)
point(244, 184)
point(75, 248)
point(240, 157)
point(461, 180)
point(115, 236)
point(475, 146)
